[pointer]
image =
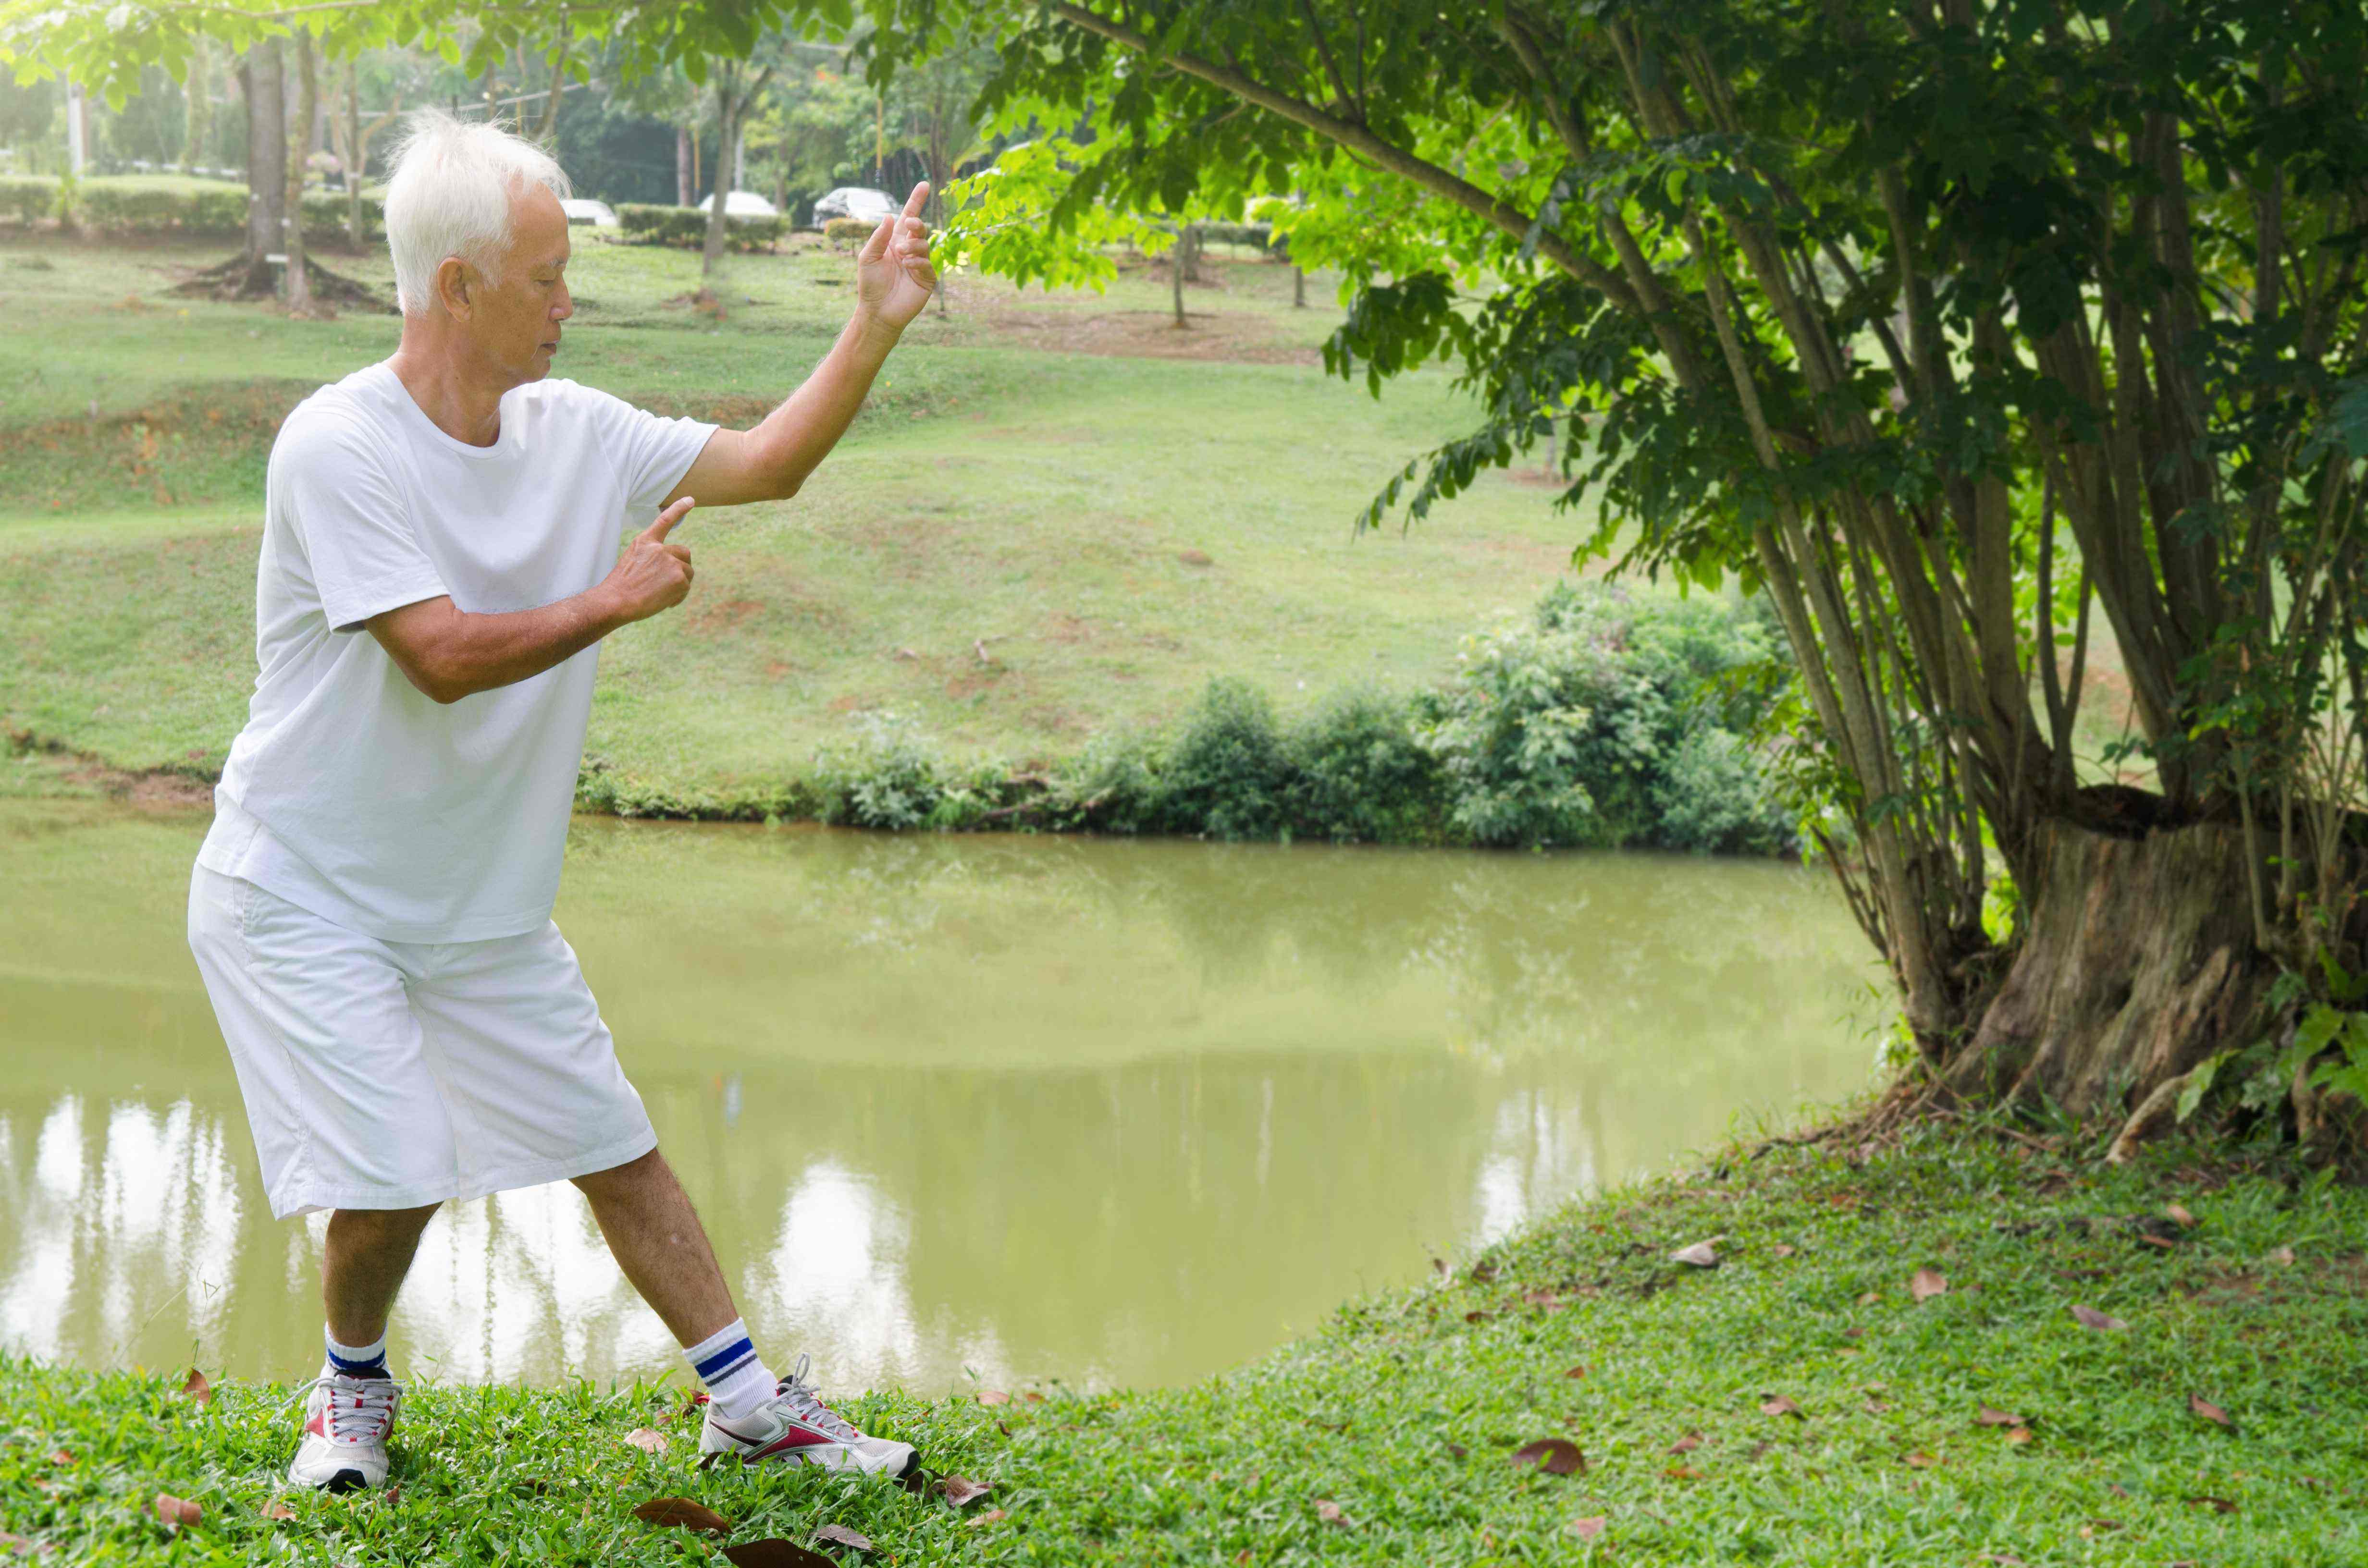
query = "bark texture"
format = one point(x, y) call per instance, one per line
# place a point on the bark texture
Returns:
point(267, 168)
point(2138, 963)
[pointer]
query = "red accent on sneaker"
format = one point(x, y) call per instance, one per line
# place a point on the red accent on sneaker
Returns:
point(795, 1437)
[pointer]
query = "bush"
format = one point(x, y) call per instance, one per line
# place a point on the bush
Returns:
point(1361, 776)
point(847, 230)
point(1229, 774)
point(217, 212)
point(324, 218)
point(29, 199)
point(123, 208)
point(1609, 719)
point(687, 226)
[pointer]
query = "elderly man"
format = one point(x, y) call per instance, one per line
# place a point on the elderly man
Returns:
point(371, 909)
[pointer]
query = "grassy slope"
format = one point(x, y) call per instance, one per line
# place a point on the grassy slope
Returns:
point(1029, 480)
point(1405, 1413)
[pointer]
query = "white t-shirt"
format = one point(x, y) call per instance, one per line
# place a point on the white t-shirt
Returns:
point(350, 793)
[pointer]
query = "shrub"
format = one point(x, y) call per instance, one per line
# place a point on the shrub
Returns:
point(217, 212)
point(1606, 721)
point(847, 230)
point(30, 198)
point(687, 226)
point(1229, 774)
point(1358, 775)
point(324, 217)
point(123, 208)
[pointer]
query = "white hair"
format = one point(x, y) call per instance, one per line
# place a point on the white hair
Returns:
point(451, 195)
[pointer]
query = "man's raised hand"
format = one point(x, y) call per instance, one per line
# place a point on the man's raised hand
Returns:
point(652, 575)
point(893, 279)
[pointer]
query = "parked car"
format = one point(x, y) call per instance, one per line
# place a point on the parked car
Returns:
point(741, 204)
point(856, 202)
point(580, 210)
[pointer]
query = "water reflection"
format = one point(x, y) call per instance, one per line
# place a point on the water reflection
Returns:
point(1105, 1112)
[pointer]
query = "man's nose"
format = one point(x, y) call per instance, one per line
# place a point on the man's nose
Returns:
point(564, 306)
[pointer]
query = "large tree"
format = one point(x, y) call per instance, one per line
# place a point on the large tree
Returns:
point(1949, 326)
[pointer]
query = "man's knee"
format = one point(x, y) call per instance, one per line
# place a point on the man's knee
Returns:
point(372, 1226)
point(634, 1172)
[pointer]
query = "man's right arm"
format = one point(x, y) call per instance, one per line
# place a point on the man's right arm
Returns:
point(449, 653)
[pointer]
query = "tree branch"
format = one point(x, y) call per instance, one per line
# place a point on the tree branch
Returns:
point(1331, 66)
point(1506, 217)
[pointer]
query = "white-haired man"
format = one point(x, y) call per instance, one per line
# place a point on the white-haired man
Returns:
point(371, 909)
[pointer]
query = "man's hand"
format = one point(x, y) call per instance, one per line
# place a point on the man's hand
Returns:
point(652, 575)
point(893, 279)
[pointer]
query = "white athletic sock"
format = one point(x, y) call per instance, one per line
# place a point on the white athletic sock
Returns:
point(737, 1379)
point(357, 1360)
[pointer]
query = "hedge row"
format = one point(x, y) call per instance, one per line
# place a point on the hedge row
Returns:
point(687, 226)
point(135, 206)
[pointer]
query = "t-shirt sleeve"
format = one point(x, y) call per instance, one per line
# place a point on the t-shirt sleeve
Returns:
point(651, 452)
point(354, 523)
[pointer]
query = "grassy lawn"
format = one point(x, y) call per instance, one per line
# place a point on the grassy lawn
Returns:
point(1802, 1402)
point(1060, 516)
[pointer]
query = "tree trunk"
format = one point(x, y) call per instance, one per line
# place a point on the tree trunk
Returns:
point(267, 167)
point(2137, 962)
point(727, 127)
point(683, 194)
point(1299, 288)
point(198, 130)
point(299, 138)
point(1183, 260)
point(352, 155)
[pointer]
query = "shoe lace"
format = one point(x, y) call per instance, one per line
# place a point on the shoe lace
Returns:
point(358, 1410)
point(802, 1397)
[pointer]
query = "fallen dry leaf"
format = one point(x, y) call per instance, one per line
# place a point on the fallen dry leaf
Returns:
point(275, 1509)
point(1588, 1529)
point(1701, 1255)
point(1919, 1459)
point(2283, 1256)
point(1555, 1456)
point(1781, 1404)
point(196, 1387)
point(648, 1439)
point(993, 1396)
point(177, 1512)
point(774, 1553)
point(1784, 1249)
point(62, 1456)
point(2091, 1318)
point(1328, 1510)
point(1458, 1450)
point(1986, 1416)
point(2018, 1435)
point(1869, 1298)
point(2217, 1505)
point(1033, 1397)
point(1683, 1473)
point(839, 1535)
point(1686, 1444)
point(2210, 1412)
point(681, 1511)
point(1476, 1316)
point(990, 1516)
point(1576, 1372)
point(960, 1490)
point(1926, 1284)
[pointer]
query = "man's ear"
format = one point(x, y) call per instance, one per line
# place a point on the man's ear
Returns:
point(454, 286)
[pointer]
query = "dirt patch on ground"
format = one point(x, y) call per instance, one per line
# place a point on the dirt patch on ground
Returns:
point(155, 788)
point(1235, 335)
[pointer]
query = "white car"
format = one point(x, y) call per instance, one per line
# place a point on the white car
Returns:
point(856, 202)
point(580, 210)
point(741, 204)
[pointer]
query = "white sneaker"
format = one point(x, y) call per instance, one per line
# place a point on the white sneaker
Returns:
point(795, 1424)
point(347, 1423)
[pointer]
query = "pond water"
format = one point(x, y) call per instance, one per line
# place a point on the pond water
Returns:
point(1028, 1110)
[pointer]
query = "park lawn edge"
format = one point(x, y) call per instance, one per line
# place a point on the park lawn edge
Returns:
point(1806, 1401)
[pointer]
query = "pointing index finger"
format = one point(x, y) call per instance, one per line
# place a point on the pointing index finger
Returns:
point(658, 531)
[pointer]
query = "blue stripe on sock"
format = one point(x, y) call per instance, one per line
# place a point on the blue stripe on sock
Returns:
point(375, 1364)
point(725, 1361)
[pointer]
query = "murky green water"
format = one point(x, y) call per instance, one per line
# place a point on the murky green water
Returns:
point(1113, 1113)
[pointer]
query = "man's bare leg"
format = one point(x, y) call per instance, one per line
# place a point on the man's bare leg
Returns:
point(368, 1252)
point(658, 1241)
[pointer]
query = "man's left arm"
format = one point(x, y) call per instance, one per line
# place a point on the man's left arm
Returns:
point(893, 281)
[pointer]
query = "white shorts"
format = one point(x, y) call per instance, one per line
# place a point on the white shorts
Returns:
point(395, 1074)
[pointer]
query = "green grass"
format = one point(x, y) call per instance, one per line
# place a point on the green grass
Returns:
point(1405, 1413)
point(1007, 548)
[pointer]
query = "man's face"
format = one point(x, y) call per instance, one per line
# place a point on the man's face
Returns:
point(515, 312)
